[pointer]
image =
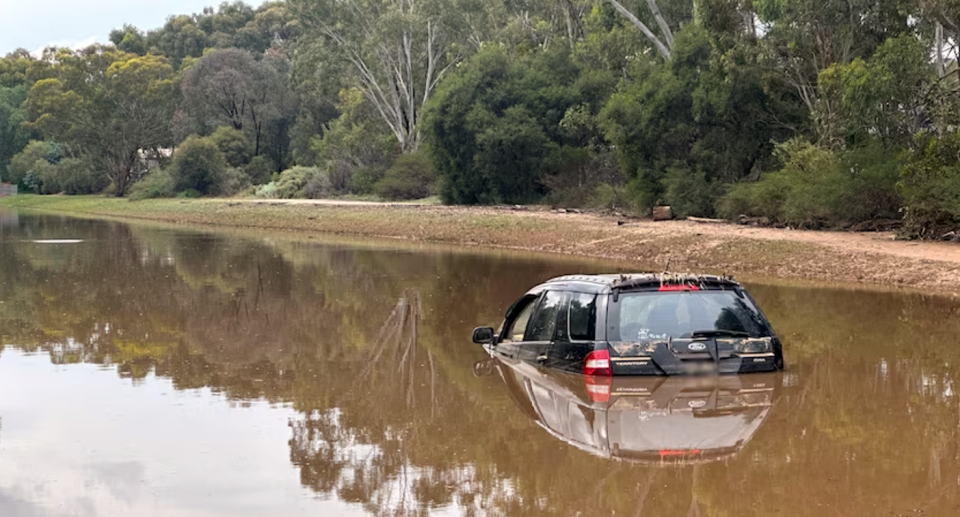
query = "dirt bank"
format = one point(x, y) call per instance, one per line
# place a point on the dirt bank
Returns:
point(838, 257)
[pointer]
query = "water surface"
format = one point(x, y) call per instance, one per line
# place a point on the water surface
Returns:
point(155, 372)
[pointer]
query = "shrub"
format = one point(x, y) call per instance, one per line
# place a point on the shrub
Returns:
point(154, 185)
point(412, 176)
point(574, 173)
point(198, 165)
point(268, 191)
point(689, 192)
point(26, 161)
point(930, 184)
point(233, 181)
point(292, 182)
point(817, 187)
point(259, 169)
point(233, 144)
point(69, 176)
point(188, 194)
point(318, 186)
point(364, 180)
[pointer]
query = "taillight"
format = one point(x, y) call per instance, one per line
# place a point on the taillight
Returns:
point(597, 363)
point(671, 452)
point(598, 388)
point(678, 287)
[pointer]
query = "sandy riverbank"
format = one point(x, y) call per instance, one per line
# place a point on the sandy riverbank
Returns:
point(841, 257)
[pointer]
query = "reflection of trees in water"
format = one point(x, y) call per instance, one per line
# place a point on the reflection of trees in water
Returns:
point(398, 338)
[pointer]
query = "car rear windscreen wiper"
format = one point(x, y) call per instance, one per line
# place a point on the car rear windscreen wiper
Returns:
point(719, 333)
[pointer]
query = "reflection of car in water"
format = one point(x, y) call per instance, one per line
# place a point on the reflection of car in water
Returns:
point(644, 324)
point(672, 420)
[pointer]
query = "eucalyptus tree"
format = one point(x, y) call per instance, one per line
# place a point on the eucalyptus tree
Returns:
point(105, 105)
point(230, 86)
point(398, 50)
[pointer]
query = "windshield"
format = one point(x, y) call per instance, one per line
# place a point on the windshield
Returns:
point(659, 316)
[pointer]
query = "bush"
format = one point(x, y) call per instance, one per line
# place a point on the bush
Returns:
point(293, 181)
point(689, 192)
point(157, 184)
point(364, 180)
point(233, 144)
point(318, 186)
point(268, 191)
point(412, 176)
point(259, 169)
point(69, 176)
point(198, 165)
point(930, 184)
point(233, 181)
point(575, 173)
point(25, 162)
point(818, 187)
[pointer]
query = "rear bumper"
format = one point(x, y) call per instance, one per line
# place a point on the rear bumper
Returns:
point(667, 364)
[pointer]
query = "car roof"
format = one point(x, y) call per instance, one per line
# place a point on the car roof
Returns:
point(607, 283)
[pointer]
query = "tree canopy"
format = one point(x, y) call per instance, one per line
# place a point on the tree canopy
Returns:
point(704, 105)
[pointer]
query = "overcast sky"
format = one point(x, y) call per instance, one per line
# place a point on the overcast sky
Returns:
point(34, 24)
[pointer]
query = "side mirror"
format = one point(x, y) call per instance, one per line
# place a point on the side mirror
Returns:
point(483, 335)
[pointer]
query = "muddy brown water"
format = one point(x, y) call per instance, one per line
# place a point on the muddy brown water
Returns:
point(157, 372)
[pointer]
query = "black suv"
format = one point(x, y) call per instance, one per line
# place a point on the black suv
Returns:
point(642, 324)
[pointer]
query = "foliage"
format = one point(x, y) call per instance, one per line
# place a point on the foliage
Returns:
point(198, 164)
point(412, 176)
point(259, 169)
point(397, 51)
point(930, 185)
point(13, 136)
point(706, 112)
point(106, 105)
point(157, 184)
point(25, 162)
point(354, 150)
point(69, 176)
point(293, 181)
point(818, 187)
point(233, 144)
point(626, 103)
point(495, 124)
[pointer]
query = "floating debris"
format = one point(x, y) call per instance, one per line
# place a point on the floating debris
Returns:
point(57, 241)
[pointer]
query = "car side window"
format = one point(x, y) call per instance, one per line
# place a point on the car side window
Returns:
point(582, 317)
point(519, 324)
point(544, 323)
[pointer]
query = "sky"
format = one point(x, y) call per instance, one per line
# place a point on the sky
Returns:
point(35, 24)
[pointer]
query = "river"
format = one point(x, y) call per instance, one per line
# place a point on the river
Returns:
point(157, 371)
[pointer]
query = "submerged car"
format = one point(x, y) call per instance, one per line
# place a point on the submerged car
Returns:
point(641, 324)
point(649, 420)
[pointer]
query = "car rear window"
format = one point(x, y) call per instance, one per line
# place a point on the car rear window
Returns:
point(657, 315)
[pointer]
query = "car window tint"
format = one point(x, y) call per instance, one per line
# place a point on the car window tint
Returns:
point(545, 320)
point(583, 317)
point(519, 325)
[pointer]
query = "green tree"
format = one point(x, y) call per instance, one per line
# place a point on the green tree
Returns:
point(13, 136)
point(106, 105)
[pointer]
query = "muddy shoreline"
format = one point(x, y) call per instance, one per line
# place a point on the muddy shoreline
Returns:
point(846, 258)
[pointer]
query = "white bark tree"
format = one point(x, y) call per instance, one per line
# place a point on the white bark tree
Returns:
point(399, 49)
point(664, 46)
